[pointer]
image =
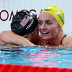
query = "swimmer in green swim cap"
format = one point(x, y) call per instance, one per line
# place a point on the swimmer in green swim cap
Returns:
point(51, 21)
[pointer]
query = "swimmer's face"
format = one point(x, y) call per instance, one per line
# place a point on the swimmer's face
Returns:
point(48, 26)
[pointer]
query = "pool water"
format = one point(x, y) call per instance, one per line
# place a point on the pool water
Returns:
point(60, 57)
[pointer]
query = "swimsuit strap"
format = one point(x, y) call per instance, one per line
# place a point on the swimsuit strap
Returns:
point(62, 39)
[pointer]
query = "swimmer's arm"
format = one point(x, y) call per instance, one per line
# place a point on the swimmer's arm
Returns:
point(12, 38)
point(6, 36)
point(23, 41)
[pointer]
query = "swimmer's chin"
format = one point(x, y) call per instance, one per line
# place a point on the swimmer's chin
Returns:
point(45, 38)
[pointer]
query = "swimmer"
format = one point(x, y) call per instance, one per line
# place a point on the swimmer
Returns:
point(23, 27)
point(51, 21)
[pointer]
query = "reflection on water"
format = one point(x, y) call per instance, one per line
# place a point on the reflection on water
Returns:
point(37, 56)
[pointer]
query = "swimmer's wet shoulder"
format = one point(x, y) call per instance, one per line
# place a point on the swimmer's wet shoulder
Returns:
point(67, 41)
point(63, 38)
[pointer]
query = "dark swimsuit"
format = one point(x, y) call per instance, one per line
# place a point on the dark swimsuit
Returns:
point(62, 39)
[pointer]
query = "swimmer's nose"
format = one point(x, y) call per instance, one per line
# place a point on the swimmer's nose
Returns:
point(44, 27)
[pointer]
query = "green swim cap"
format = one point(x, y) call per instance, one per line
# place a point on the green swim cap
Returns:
point(57, 13)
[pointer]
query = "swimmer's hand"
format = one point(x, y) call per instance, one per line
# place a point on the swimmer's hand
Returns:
point(2, 42)
point(12, 38)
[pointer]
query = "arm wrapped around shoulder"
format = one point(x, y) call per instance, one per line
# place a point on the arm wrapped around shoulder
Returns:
point(12, 38)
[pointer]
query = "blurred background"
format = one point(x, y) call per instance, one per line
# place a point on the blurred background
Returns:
point(8, 8)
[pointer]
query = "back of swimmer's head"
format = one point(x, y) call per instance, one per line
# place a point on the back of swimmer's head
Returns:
point(24, 22)
point(56, 12)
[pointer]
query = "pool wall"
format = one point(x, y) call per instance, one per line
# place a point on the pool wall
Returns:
point(21, 68)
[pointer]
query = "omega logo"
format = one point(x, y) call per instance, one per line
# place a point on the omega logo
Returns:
point(10, 16)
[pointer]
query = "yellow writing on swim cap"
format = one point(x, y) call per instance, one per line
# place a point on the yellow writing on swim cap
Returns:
point(57, 13)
